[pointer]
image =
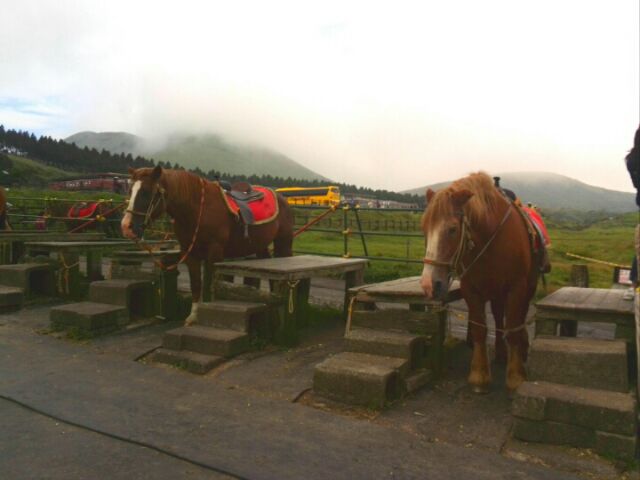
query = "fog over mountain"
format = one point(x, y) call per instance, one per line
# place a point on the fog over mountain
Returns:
point(550, 190)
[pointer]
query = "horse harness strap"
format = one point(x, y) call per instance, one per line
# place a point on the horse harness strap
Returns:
point(195, 232)
point(466, 244)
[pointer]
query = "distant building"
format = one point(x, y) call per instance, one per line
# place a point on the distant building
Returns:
point(111, 182)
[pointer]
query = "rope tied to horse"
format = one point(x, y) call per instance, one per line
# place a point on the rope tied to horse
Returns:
point(184, 256)
point(63, 274)
point(292, 284)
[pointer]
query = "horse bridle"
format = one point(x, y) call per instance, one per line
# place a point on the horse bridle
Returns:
point(158, 196)
point(466, 244)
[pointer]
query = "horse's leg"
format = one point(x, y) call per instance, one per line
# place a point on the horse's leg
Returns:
point(195, 278)
point(283, 244)
point(480, 374)
point(497, 309)
point(214, 255)
point(516, 336)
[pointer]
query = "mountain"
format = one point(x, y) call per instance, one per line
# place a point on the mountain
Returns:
point(553, 191)
point(204, 151)
point(114, 142)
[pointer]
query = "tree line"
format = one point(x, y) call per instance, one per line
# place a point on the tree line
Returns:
point(70, 157)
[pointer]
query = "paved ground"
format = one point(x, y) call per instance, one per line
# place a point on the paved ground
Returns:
point(88, 410)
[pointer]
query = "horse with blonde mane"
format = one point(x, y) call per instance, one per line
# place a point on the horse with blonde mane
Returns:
point(474, 232)
point(203, 224)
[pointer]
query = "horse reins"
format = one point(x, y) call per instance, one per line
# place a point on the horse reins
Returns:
point(151, 208)
point(466, 244)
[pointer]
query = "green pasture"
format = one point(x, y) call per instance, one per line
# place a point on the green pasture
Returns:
point(592, 234)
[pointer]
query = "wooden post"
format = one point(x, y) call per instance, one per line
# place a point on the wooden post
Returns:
point(351, 279)
point(580, 276)
point(302, 302)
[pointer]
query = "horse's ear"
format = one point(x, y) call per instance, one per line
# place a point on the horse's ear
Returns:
point(430, 193)
point(156, 173)
point(132, 171)
point(460, 197)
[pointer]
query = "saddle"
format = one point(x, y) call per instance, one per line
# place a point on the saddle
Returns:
point(535, 225)
point(243, 194)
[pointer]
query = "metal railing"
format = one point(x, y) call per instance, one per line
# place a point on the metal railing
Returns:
point(346, 222)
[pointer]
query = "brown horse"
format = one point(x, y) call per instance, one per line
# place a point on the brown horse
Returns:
point(474, 232)
point(4, 220)
point(205, 228)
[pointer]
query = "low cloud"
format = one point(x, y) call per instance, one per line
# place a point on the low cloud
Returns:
point(391, 97)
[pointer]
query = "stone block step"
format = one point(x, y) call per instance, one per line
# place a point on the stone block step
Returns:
point(207, 340)
point(359, 378)
point(11, 299)
point(88, 317)
point(394, 319)
point(232, 315)
point(32, 278)
point(385, 343)
point(557, 433)
point(417, 379)
point(192, 362)
point(611, 412)
point(582, 362)
point(135, 295)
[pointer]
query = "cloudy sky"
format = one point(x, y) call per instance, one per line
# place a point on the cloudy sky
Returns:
point(385, 94)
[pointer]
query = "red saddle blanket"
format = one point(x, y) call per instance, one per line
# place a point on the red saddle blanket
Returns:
point(264, 209)
point(82, 211)
point(538, 224)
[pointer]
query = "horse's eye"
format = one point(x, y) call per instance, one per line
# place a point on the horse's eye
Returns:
point(452, 230)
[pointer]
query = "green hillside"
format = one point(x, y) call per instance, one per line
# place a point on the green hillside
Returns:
point(24, 171)
point(553, 191)
point(114, 142)
point(207, 152)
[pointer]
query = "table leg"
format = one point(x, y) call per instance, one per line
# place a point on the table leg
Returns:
point(169, 294)
point(302, 302)
point(94, 266)
point(69, 279)
point(287, 331)
point(351, 279)
point(436, 347)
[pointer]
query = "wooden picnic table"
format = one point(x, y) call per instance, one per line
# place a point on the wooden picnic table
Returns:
point(13, 242)
point(569, 305)
point(68, 254)
point(290, 281)
point(429, 313)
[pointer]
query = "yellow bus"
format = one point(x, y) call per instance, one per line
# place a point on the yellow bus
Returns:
point(311, 196)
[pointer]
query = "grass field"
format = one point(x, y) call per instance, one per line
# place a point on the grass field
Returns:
point(609, 239)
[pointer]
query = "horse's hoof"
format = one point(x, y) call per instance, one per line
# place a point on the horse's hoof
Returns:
point(480, 389)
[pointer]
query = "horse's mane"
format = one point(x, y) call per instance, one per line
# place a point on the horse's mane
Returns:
point(485, 199)
point(181, 185)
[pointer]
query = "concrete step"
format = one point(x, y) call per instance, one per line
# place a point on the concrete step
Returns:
point(360, 378)
point(11, 299)
point(394, 319)
point(385, 343)
point(601, 410)
point(192, 362)
point(582, 362)
point(32, 278)
point(207, 340)
point(135, 295)
point(417, 379)
point(557, 433)
point(88, 318)
point(232, 315)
